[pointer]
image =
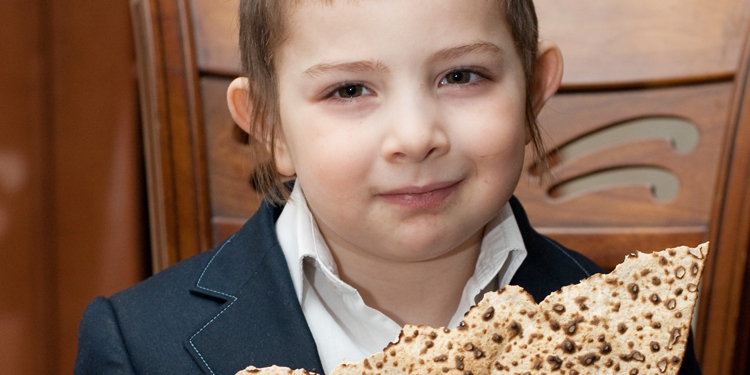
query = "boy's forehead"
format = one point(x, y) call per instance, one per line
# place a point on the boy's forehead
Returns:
point(345, 14)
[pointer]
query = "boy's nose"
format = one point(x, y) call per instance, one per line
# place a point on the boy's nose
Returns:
point(415, 133)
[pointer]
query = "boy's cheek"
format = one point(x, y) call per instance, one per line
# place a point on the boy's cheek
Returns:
point(326, 158)
point(496, 130)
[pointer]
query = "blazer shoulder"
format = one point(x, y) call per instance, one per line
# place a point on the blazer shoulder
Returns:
point(101, 349)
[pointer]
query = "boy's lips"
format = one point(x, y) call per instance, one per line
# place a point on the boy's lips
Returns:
point(421, 197)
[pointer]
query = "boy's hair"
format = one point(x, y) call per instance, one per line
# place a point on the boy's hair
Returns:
point(262, 30)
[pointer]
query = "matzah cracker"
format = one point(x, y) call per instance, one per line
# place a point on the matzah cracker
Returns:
point(635, 320)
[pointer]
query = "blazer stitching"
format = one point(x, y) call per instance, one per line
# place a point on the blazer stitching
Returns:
point(234, 299)
point(567, 255)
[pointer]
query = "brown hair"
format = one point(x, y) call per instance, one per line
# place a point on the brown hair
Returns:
point(262, 30)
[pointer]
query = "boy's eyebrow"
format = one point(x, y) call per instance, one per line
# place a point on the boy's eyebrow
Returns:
point(372, 65)
point(455, 52)
point(351, 67)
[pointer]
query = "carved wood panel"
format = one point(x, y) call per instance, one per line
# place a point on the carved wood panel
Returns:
point(636, 169)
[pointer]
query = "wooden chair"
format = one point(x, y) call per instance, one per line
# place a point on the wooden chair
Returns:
point(652, 126)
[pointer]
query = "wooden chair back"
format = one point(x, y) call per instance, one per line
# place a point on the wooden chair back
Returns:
point(651, 127)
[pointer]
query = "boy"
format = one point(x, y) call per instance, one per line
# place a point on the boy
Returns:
point(404, 124)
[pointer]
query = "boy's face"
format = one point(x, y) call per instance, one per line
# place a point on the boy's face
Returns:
point(403, 120)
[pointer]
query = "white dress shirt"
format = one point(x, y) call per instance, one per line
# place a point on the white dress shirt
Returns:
point(344, 328)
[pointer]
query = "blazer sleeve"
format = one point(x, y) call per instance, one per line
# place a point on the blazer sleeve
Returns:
point(690, 364)
point(101, 348)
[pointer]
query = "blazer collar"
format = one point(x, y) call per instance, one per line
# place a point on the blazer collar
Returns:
point(260, 322)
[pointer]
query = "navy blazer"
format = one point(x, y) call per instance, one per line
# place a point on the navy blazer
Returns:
point(235, 306)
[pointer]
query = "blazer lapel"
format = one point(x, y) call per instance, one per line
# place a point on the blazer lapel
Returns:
point(260, 322)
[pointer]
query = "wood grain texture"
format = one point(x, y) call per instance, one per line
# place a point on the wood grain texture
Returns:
point(172, 117)
point(216, 36)
point(599, 243)
point(643, 42)
point(730, 232)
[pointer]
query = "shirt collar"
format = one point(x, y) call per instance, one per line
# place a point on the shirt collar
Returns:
point(300, 238)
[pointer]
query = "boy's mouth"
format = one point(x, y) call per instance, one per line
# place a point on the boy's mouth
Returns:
point(421, 197)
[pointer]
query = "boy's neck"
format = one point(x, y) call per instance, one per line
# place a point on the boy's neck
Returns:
point(425, 292)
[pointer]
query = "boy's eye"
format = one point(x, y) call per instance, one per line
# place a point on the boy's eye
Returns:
point(350, 91)
point(459, 77)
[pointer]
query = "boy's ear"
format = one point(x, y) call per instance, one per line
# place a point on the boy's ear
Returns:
point(548, 73)
point(241, 107)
